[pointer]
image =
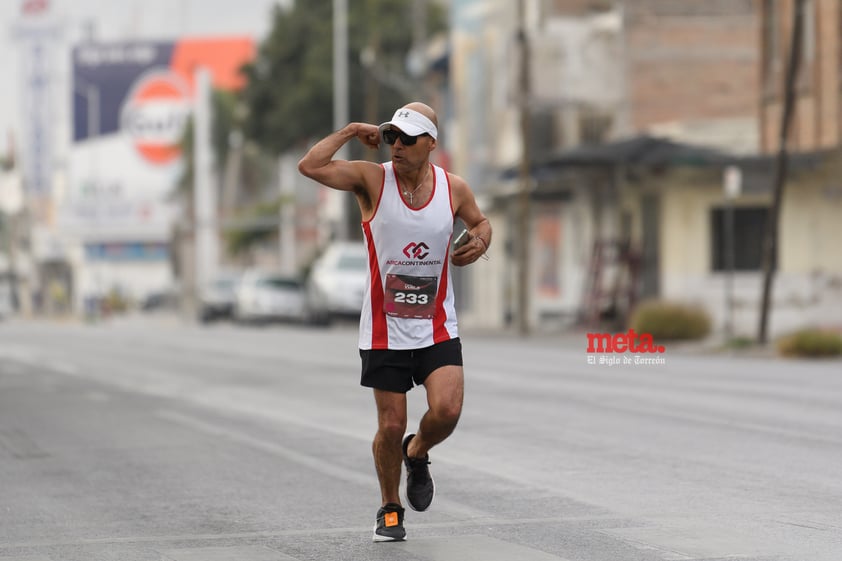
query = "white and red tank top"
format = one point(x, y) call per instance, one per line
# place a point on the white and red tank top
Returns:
point(409, 298)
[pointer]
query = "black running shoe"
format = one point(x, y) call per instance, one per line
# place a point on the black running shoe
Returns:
point(389, 525)
point(420, 488)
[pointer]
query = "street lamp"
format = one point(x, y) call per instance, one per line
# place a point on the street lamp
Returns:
point(732, 185)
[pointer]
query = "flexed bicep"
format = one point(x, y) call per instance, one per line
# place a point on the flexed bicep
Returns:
point(337, 174)
point(319, 163)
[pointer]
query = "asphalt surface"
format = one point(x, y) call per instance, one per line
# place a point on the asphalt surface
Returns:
point(148, 439)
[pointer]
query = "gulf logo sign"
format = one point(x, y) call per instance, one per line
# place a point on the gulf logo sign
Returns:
point(155, 114)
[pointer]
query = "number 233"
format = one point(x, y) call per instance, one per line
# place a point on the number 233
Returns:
point(411, 298)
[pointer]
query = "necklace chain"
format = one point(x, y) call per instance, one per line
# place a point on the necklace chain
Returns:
point(411, 193)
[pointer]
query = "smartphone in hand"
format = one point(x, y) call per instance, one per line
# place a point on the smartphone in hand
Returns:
point(463, 238)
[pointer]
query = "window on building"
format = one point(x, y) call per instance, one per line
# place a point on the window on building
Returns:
point(594, 126)
point(808, 44)
point(771, 44)
point(551, 8)
point(749, 227)
point(810, 8)
point(542, 124)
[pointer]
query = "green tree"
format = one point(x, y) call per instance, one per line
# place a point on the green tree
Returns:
point(288, 99)
point(226, 122)
point(289, 94)
point(251, 174)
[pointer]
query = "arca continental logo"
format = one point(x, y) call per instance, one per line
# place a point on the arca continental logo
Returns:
point(416, 255)
point(155, 115)
point(416, 250)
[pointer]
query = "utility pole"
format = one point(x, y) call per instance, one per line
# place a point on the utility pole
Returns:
point(523, 231)
point(417, 59)
point(340, 63)
point(368, 58)
point(206, 225)
point(340, 200)
point(770, 235)
point(286, 213)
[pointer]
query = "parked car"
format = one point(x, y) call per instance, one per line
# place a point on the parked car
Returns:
point(337, 280)
point(266, 296)
point(216, 299)
point(159, 301)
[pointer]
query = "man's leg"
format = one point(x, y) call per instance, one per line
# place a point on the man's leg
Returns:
point(445, 391)
point(391, 425)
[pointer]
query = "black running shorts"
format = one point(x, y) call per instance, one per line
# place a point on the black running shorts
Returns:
point(396, 370)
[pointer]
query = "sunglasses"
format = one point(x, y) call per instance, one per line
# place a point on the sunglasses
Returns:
point(390, 136)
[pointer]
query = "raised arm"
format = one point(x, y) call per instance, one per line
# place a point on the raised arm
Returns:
point(466, 207)
point(318, 163)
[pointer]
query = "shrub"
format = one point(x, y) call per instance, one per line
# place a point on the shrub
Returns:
point(739, 343)
point(670, 321)
point(811, 342)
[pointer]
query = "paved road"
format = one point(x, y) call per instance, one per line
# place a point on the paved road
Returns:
point(147, 440)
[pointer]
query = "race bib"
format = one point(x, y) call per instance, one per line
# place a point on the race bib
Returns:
point(410, 297)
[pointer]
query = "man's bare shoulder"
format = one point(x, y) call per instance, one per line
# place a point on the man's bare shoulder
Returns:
point(371, 172)
point(459, 187)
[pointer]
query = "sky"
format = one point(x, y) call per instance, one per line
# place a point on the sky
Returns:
point(114, 20)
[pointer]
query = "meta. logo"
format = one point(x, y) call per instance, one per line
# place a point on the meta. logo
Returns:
point(623, 342)
point(416, 250)
point(155, 114)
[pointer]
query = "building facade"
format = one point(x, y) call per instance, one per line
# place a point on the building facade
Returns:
point(816, 124)
point(692, 70)
point(600, 71)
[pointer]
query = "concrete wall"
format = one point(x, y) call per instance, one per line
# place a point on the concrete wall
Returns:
point(693, 62)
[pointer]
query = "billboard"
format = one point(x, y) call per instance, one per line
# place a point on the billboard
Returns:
point(131, 102)
point(37, 34)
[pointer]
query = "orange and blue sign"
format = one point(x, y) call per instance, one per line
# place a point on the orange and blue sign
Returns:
point(143, 90)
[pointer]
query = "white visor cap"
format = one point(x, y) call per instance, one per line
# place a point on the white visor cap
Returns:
point(411, 122)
